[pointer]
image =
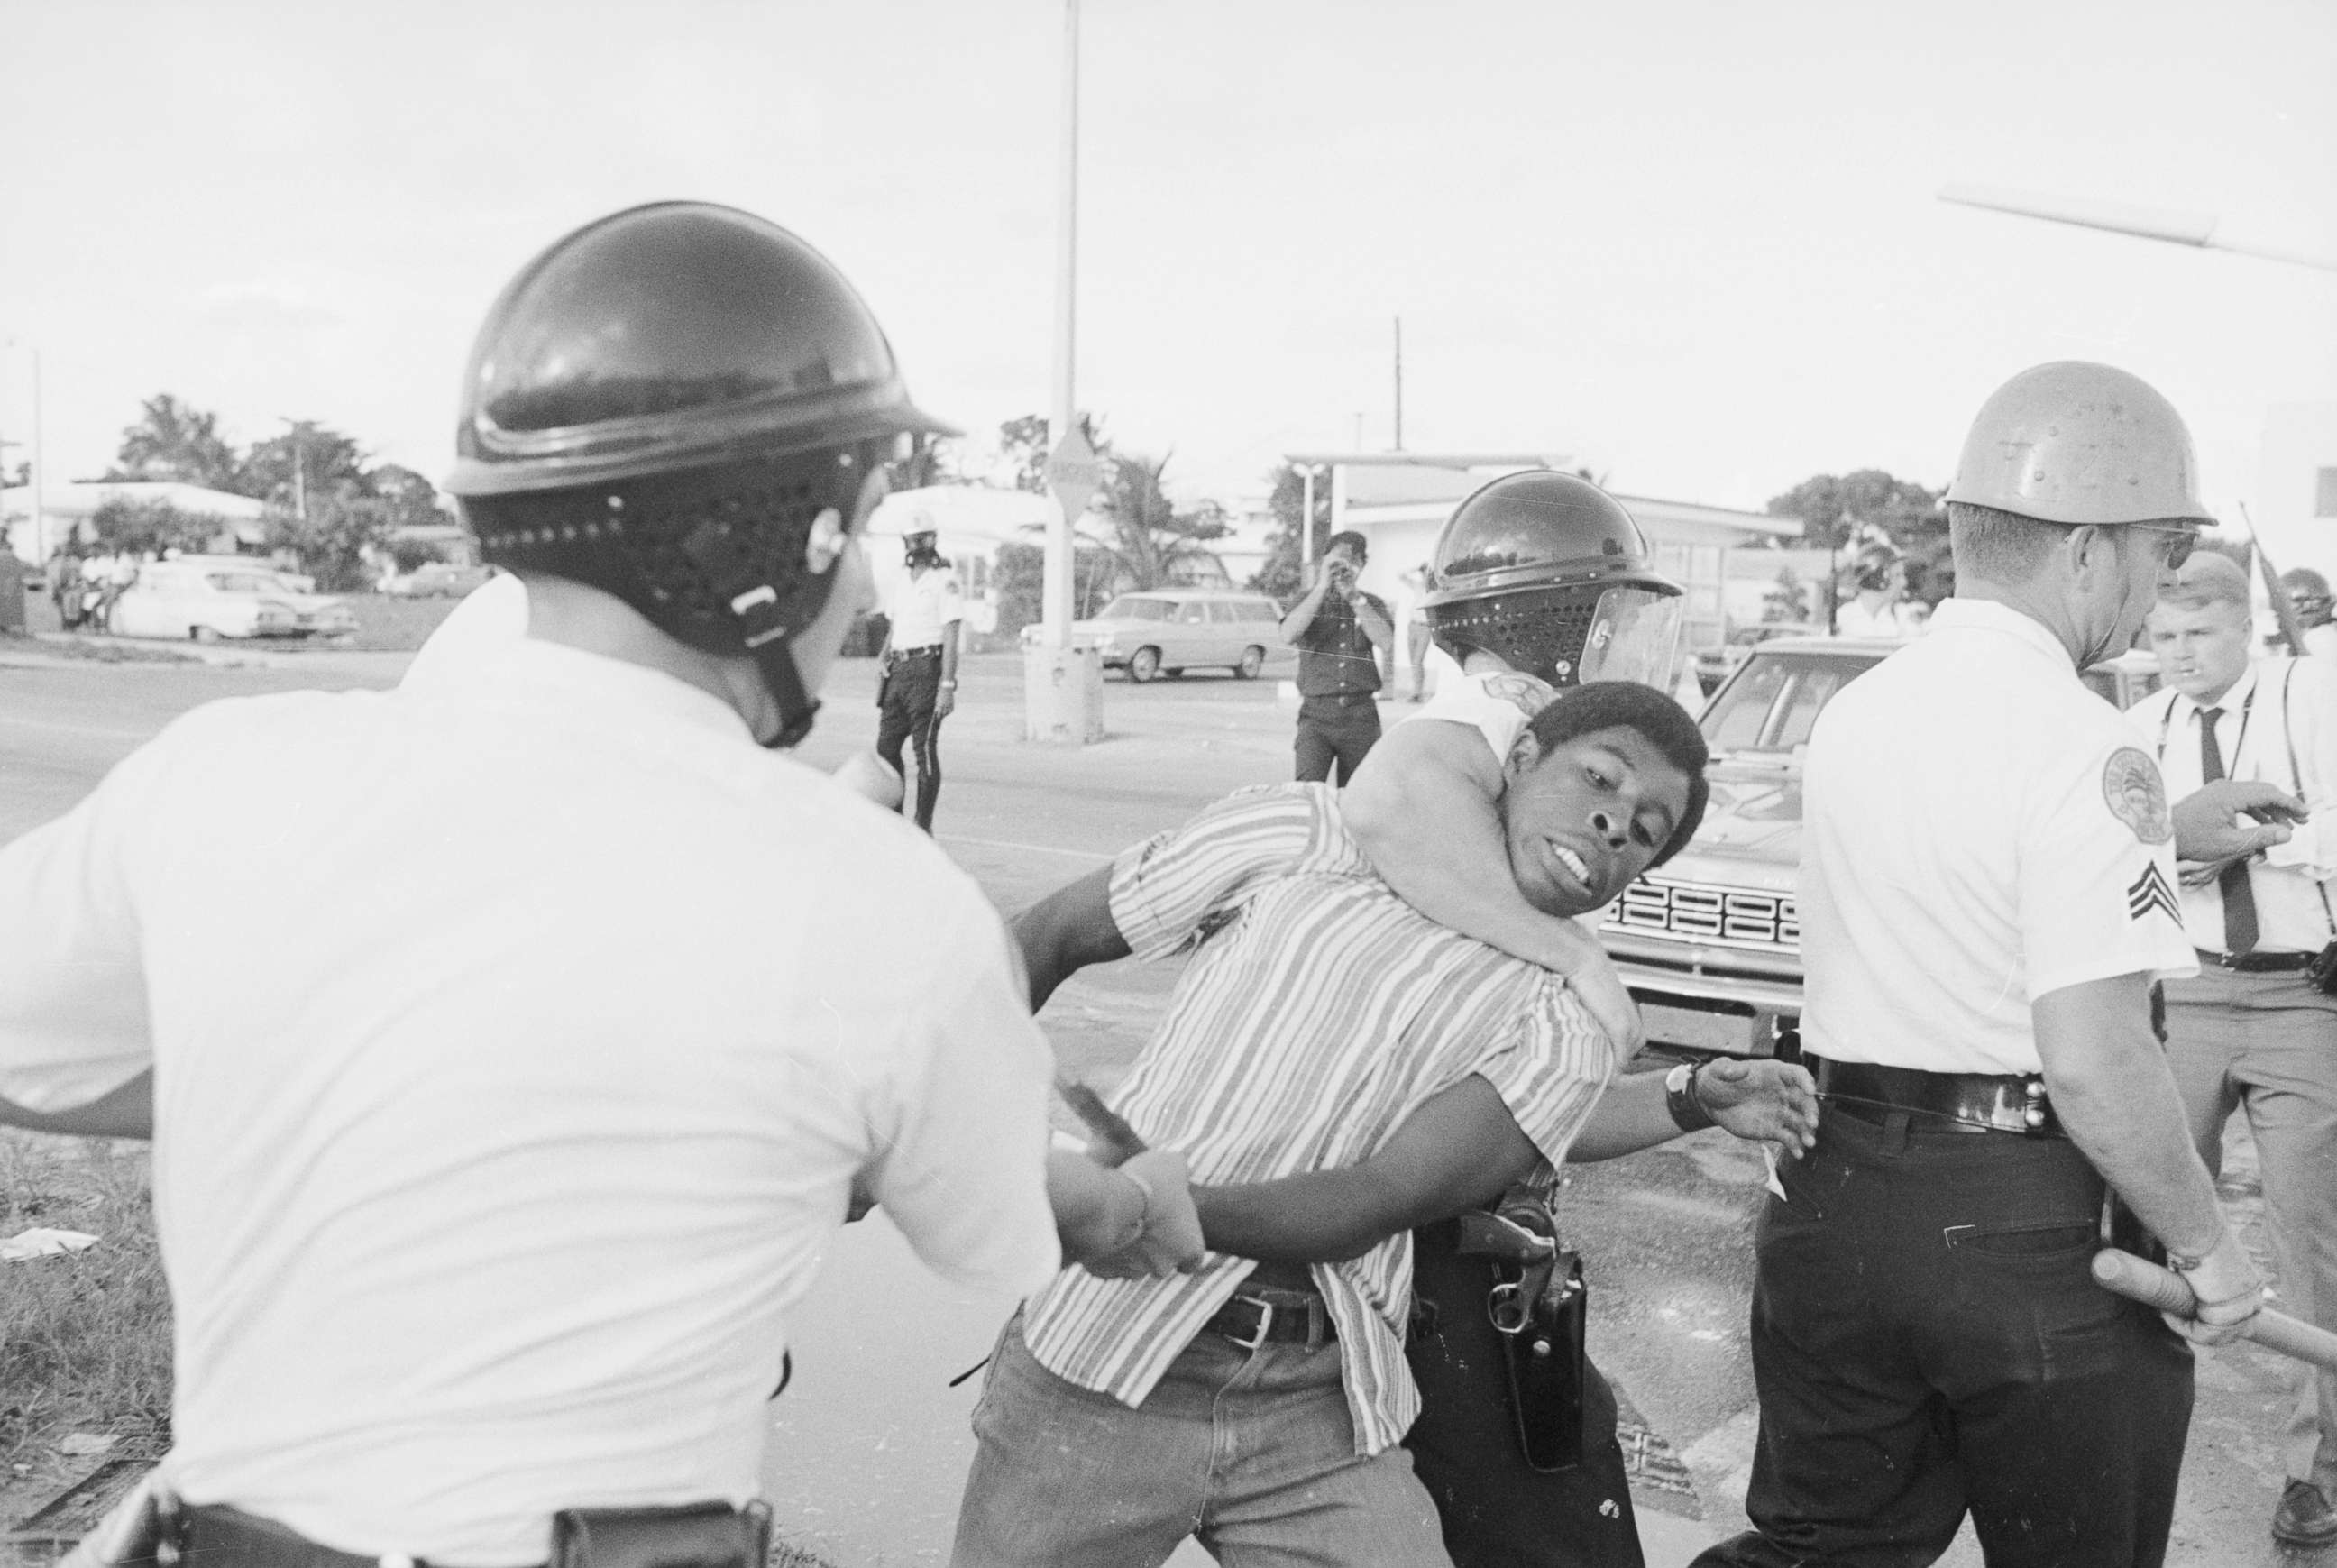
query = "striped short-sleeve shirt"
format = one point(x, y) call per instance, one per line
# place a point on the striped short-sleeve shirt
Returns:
point(1318, 1012)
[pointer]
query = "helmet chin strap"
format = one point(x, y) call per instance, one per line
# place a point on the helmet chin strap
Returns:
point(797, 709)
point(766, 639)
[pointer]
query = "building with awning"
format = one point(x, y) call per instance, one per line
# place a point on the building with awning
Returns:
point(65, 511)
point(1399, 502)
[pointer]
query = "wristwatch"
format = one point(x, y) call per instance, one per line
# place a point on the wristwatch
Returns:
point(1679, 1098)
point(949, 685)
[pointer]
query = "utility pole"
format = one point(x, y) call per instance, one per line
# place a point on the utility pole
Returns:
point(1056, 587)
point(1399, 384)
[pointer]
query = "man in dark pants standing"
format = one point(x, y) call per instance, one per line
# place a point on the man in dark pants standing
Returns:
point(919, 688)
point(1988, 890)
point(1338, 630)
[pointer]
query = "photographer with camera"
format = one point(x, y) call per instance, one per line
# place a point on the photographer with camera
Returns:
point(2258, 1027)
point(1339, 631)
point(919, 686)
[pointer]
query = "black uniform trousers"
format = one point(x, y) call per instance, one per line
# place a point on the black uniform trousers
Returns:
point(1340, 729)
point(905, 711)
point(1497, 1509)
point(1926, 1339)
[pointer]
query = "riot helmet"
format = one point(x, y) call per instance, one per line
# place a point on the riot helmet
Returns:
point(688, 407)
point(1550, 573)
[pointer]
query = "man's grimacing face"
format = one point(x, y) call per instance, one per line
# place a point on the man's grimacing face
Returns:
point(1584, 820)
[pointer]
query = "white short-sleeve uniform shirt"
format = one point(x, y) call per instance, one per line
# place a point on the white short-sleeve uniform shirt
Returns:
point(1979, 830)
point(923, 607)
point(517, 1036)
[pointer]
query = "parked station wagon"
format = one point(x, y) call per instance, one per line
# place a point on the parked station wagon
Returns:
point(1710, 945)
point(1171, 630)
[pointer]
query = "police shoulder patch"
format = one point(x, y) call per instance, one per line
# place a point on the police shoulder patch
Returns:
point(1528, 695)
point(2136, 795)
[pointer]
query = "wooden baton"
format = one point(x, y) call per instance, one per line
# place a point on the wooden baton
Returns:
point(2147, 1283)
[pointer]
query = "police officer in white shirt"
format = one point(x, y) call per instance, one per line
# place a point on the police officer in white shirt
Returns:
point(1987, 891)
point(1878, 608)
point(918, 689)
point(2254, 1030)
point(514, 1041)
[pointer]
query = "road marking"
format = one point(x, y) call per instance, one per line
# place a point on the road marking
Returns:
point(80, 728)
point(1029, 849)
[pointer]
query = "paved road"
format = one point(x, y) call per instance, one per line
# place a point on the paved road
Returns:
point(870, 1443)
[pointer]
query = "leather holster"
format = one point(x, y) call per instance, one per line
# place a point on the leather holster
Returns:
point(1541, 1309)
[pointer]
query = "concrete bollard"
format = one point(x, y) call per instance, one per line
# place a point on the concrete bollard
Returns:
point(1062, 695)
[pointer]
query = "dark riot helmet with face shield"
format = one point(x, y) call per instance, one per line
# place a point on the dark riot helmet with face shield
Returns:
point(688, 407)
point(1549, 572)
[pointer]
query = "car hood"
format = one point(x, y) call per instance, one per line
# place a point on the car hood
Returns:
point(1751, 836)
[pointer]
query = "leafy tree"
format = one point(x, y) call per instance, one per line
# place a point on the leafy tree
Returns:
point(1279, 576)
point(1787, 600)
point(122, 527)
point(1023, 449)
point(1835, 510)
point(1021, 576)
point(310, 458)
point(173, 441)
point(336, 542)
point(1151, 543)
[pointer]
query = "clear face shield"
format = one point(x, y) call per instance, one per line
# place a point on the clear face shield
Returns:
point(1634, 636)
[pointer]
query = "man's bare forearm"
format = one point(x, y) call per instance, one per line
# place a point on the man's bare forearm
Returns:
point(1424, 807)
point(124, 1113)
point(1302, 614)
point(1460, 1149)
point(2108, 1077)
point(1065, 932)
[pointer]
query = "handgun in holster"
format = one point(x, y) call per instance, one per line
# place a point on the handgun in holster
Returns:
point(1540, 1307)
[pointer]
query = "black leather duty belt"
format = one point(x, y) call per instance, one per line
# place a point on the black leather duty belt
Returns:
point(1292, 1316)
point(930, 650)
point(2255, 963)
point(1946, 1101)
point(214, 1537)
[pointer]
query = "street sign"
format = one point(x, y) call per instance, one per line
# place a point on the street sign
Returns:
point(1074, 473)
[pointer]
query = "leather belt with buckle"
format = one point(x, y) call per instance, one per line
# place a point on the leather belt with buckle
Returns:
point(1948, 1101)
point(2255, 963)
point(1292, 1316)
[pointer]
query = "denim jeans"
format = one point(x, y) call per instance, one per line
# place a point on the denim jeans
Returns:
point(1251, 1451)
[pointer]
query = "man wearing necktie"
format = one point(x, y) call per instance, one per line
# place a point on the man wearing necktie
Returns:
point(2253, 1030)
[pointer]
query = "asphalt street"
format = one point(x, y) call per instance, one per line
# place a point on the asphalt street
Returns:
point(870, 1443)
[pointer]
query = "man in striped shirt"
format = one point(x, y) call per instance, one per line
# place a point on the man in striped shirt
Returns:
point(1319, 1015)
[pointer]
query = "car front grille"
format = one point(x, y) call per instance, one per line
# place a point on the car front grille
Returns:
point(1704, 912)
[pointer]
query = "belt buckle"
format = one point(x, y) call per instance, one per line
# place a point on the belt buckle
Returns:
point(1266, 1311)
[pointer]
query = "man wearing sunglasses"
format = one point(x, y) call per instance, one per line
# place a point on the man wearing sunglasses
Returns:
point(1987, 894)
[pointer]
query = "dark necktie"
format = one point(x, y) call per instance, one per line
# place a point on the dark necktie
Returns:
point(2239, 899)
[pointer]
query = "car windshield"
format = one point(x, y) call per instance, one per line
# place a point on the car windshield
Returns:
point(1769, 707)
point(1139, 609)
point(244, 582)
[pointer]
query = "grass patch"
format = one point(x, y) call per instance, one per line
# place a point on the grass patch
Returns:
point(86, 1339)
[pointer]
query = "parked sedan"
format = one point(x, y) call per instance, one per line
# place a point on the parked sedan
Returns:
point(1711, 944)
point(211, 598)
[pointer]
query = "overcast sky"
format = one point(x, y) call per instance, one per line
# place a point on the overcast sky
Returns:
point(1696, 245)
